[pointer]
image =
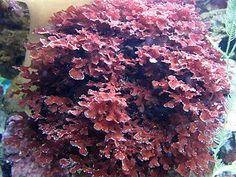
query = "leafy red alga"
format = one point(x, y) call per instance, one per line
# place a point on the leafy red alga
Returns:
point(126, 88)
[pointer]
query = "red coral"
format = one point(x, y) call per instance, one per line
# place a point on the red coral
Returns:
point(123, 88)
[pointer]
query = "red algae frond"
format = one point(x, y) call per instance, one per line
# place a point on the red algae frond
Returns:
point(124, 88)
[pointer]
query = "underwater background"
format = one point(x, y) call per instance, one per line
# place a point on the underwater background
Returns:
point(132, 88)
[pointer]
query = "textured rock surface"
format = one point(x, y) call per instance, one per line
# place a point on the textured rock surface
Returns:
point(13, 35)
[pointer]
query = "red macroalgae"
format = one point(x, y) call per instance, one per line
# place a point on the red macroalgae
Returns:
point(121, 88)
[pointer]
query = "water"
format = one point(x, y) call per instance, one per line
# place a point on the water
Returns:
point(5, 84)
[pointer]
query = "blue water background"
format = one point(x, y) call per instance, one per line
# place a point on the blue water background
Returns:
point(5, 84)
